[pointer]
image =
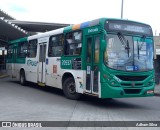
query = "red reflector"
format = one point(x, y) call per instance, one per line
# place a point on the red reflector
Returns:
point(150, 91)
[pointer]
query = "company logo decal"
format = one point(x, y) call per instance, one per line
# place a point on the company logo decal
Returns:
point(32, 63)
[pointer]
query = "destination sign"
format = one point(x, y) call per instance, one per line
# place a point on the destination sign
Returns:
point(128, 26)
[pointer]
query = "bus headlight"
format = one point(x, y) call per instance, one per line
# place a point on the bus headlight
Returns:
point(114, 83)
point(111, 80)
point(150, 83)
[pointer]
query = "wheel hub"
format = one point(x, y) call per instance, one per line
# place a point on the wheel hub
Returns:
point(71, 88)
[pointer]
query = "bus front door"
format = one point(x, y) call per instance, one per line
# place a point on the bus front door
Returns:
point(42, 65)
point(92, 60)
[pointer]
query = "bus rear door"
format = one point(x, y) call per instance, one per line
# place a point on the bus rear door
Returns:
point(92, 61)
point(42, 64)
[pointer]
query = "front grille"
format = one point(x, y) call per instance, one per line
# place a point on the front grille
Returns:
point(132, 91)
point(131, 78)
point(131, 85)
point(126, 84)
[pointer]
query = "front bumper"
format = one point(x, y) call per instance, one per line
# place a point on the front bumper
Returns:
point(108, 91)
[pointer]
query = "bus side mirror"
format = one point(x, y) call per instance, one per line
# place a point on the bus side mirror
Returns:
point(103, 45)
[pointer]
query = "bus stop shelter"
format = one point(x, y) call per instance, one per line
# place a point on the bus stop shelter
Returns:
point(11, 29)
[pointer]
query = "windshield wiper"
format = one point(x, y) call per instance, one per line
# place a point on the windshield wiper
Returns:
point(143, 37)
point(140, 46)
point(124, 42)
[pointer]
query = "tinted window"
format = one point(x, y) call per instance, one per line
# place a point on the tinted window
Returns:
point(55, 46)
point(73, 43)
point(22, 49)
point(32, 48)
point(10, 51)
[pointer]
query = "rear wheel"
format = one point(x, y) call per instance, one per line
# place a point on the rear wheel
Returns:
point(22, 78)
point(69, 89)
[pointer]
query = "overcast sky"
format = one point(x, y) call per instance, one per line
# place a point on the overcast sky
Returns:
point(77, 11)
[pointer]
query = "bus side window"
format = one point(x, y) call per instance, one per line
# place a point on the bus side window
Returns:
point(22, 49)
point(55, 46)
point(68, 41)
point(32, 48)
point(73, 43)
point(10, 51)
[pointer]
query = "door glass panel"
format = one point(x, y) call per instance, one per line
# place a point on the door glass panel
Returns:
point(96, 61)
point(44, 53)
point(89, 60)
point(40, 54)
point(95, 80)
point(42, 57)
point(89, 49)
point(96, 53)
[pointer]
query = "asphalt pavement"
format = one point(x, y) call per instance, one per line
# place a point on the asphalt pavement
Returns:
point(35, 103)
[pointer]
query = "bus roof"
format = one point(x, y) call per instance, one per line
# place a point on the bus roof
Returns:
point(67, 29)
point(49, 33)
point(19, 40)
point(94, 23)
point(91, 23)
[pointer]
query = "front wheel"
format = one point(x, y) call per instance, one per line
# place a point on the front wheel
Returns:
point(22, 78)
point(69, 89)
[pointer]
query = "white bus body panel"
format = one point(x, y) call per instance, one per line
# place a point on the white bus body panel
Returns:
point(32, 64)
point(53, 73)
point(46, 34)
point(31, 69)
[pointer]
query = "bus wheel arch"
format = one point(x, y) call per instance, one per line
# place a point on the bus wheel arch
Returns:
point(69, 87)
point(22, 77)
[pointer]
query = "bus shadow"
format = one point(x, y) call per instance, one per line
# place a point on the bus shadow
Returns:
point(47, 89)
point(104, 103)
point(111, 103)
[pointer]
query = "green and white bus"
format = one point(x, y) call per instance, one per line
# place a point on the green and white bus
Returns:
point(106, 58)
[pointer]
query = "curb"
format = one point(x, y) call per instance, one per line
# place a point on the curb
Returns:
point(157, 92)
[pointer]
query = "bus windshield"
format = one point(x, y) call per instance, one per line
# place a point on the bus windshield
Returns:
point(128, 53)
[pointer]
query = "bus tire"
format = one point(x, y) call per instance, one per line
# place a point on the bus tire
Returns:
point(69, 89)
point(22, 78)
